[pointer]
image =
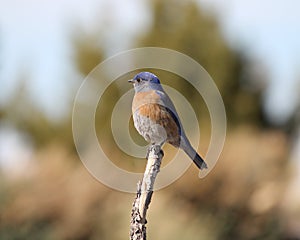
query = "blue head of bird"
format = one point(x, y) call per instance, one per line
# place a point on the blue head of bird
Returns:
point(145, 81)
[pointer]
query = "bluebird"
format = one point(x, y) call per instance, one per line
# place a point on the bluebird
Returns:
point(155, 117)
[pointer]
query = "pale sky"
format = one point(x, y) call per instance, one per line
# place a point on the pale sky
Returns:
point(34, 37)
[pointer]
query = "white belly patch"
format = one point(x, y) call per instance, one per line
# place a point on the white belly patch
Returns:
point(151, 131)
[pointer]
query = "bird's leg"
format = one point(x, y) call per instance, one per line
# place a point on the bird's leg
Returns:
point(158, 149)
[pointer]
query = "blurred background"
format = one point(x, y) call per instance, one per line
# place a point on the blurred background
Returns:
point(250, 48)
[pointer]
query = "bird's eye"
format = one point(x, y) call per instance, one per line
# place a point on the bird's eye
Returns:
point(138, 80)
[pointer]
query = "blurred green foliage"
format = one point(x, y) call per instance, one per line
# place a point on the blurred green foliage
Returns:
point(87, 51)
point(22, 113)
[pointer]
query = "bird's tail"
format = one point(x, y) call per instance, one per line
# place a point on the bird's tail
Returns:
point(190, 151)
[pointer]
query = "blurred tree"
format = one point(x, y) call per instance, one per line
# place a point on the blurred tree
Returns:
point(1, 113)
point(182, 26)
point(24, 115)
point(22, 112)
point(292, 125)
point(87, 51)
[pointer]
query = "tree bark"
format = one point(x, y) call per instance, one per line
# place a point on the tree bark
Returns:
point(144, 194)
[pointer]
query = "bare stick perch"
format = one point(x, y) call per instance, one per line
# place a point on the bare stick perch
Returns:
point(144, 194)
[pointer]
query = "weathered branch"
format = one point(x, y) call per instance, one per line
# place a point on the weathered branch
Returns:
point(144, 194)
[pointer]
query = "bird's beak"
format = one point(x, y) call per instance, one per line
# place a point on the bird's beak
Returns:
point(130, 80)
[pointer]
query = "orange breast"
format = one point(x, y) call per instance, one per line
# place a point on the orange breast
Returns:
point(160, 115)
point(144, 98)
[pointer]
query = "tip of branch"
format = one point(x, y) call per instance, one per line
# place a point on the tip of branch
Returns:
point(155, 151)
